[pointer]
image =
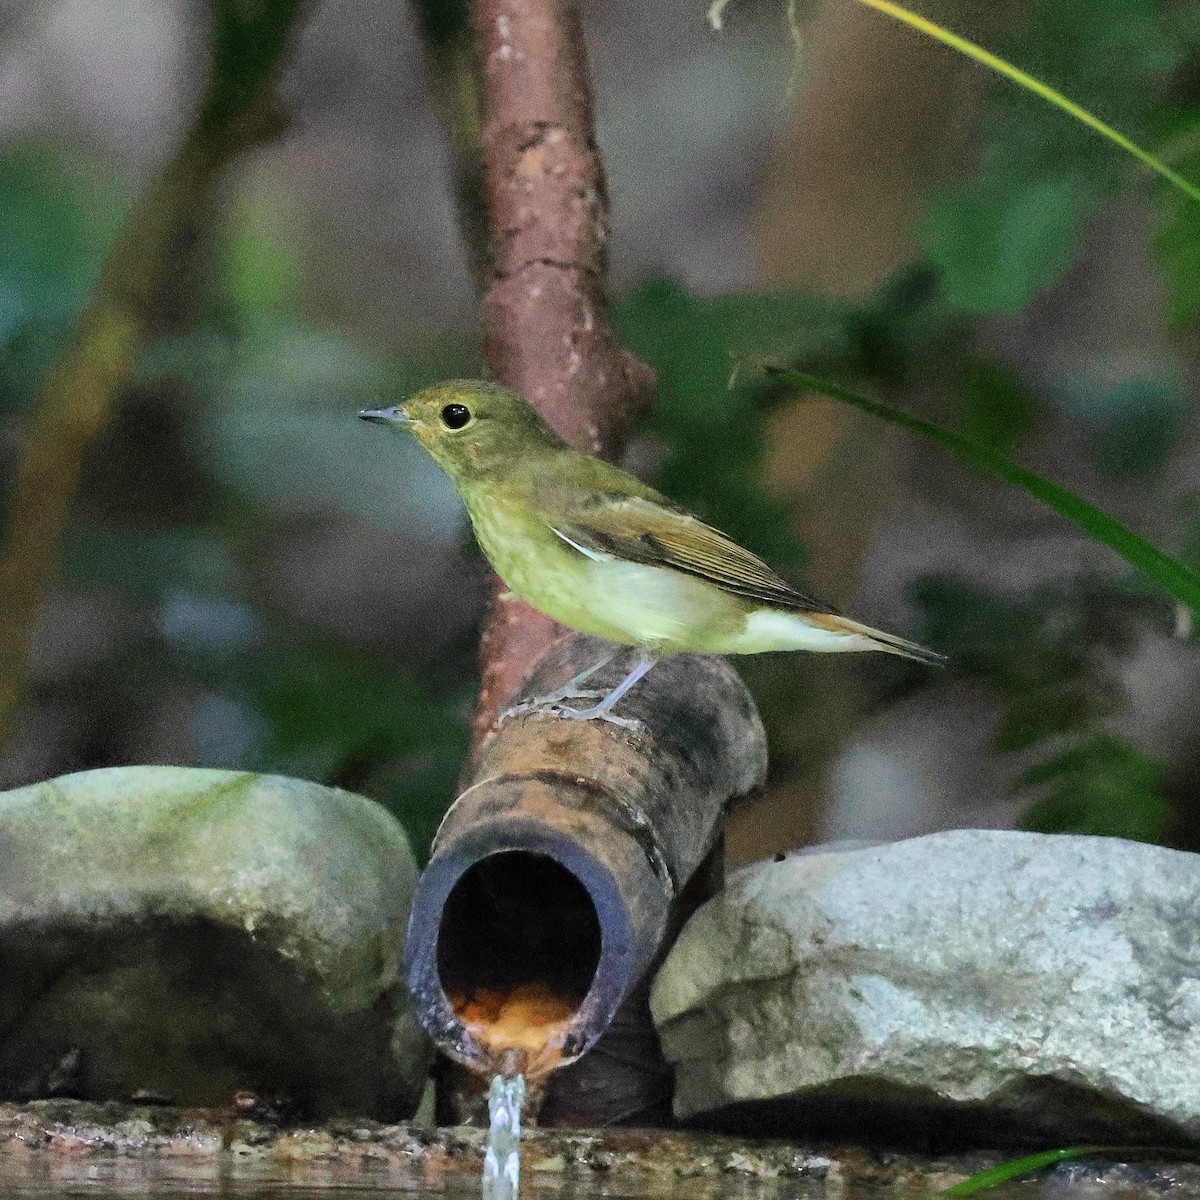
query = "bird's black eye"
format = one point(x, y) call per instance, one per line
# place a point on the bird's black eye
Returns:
point(455, 416)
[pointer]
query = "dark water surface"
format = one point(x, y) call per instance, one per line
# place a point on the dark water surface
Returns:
point(261, 1181)
point(230, 1178)
point(57, 1149)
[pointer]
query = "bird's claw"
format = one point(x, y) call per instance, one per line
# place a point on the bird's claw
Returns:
point(576, 714)
point(552, 706)
point(515, 710)
point(550, 703)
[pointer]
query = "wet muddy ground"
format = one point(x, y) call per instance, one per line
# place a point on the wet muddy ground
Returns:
point(60, 1148)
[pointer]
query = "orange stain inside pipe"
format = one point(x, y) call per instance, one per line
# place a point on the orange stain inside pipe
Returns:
point(529, 1022)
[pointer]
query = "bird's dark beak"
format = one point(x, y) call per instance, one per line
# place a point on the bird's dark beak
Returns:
point(386, 416)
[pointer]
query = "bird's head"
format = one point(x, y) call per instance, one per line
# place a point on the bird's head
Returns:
point(471, 428)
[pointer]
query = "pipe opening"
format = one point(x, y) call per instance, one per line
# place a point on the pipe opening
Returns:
point(517, 951)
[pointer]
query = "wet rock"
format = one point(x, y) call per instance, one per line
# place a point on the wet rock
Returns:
point(974, 985)
point(186, 935)
point(56, 1148)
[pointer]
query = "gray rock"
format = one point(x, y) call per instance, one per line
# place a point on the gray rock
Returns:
point(188, 934)
point(981, 984)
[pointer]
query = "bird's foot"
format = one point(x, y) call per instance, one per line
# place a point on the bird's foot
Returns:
point(551, 705)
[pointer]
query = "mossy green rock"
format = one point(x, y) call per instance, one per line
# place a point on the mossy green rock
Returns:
point(189, 934)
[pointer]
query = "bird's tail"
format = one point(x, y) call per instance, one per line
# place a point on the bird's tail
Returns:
point(827, 633)
point(887, 642)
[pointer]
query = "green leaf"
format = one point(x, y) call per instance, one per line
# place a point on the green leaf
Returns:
point(1101, 48)
point(982, 1180)
point(1173, 576)
point(695, 344)
point(1003, 1172)
point(994, 257)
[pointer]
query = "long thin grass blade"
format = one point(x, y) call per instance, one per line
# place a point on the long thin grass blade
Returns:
point(1183, 584)
point(1003, 1172)
point(1025, 80)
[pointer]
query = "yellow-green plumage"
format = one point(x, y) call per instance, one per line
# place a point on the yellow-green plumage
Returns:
point(598, 550)
point(596, 591)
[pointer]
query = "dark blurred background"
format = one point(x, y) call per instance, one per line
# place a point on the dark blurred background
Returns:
point(252, 578)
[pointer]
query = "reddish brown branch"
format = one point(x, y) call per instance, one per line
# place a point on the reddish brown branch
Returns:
point(545, 309)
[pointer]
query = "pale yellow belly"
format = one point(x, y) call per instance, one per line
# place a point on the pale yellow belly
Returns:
point(631, 603)
point(663, 609)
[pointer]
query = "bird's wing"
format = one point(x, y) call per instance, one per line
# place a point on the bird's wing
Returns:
point(641, 530)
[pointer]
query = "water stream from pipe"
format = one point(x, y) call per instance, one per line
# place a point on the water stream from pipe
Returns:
point(502, 1161)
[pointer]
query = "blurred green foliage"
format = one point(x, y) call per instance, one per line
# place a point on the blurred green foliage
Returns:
point(259, 273)
point(1100, 785)
point(254, 397)
point(998, 408)
point(1178, 239)
point(1134, 428)
point(247, 39)
point(1013, 227)
point(256, 405)
point(1170, 574)
point(709, 353)
point(706, 412)
point(1048, 656)
point(1043, 654)
point(60, 208)
point(341, 713)
point(444, 23)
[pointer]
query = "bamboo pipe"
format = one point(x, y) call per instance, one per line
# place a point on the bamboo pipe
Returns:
point(560, 867)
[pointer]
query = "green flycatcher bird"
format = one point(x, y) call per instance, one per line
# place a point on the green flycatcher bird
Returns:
point(599, 551)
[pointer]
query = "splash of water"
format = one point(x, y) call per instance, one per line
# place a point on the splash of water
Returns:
point(502, 1162)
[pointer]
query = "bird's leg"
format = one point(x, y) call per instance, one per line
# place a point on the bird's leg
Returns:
point(569, 691)
point(603, 710)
